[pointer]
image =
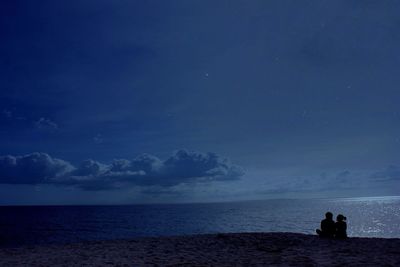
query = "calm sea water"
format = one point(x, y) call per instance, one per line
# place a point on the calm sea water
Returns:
point(367, 217)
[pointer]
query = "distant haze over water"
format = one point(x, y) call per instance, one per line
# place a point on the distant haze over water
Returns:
point(27, 225)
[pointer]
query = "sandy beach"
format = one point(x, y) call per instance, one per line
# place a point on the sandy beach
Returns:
point(241, 249)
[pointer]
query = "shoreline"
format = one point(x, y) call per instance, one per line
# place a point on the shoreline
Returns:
point(227, 249)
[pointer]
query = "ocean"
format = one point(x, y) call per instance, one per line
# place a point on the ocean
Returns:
point(31, 225)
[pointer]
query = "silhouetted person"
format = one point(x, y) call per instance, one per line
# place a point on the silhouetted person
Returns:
point(341, 227)
point(328, 228)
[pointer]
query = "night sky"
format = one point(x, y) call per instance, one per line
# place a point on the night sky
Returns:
point(114, 102)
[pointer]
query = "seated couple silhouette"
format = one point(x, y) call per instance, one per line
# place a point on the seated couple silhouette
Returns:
point(332, 229)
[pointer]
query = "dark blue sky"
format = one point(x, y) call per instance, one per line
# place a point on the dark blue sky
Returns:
point(291, 99)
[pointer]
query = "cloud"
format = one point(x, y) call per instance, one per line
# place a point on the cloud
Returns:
point(7, 113)
point(35, 168)
point(392, 172)
point(183, 167)
point(343, 180)
point(45, 123)
point(10, 115)
point(98, 139)
point(343, 176)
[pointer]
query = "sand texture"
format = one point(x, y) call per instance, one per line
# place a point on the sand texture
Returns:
point(242, 249)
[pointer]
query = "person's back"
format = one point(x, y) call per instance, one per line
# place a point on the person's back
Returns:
point(327, 226)
point(340, 227)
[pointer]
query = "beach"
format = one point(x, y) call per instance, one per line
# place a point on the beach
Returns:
point(236, 249)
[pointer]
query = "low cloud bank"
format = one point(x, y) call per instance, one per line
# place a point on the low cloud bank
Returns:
point(392, 172)
point(182, 167)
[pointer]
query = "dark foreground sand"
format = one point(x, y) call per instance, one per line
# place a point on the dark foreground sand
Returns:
point(244, 249)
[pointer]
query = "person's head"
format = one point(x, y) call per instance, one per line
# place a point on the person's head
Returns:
point(329, 215)
point(340, 218)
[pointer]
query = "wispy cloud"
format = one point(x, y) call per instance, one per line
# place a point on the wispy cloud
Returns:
point(45, 124)
point(98, 139)
point(7, 113)
point(392, 172)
